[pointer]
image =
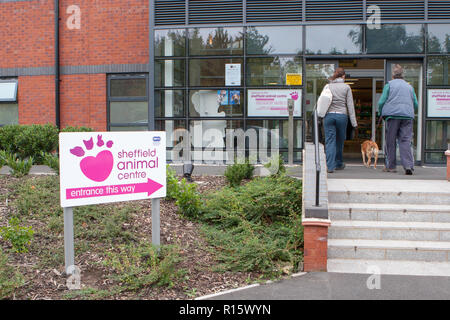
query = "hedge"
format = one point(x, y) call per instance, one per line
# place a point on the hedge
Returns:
point(32, 140)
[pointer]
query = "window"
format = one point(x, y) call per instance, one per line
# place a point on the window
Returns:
point(216, 103)
point(338, 39)
point(209, 72)
point(438, 70)
point(8, 90)
point(274, 40)
point(216, 41)
point(437, 140)
point(169, 103)
point(170, 43)
point(271, 71)
point(128, 102)
point(439, 38)
point(9, 109)
point(169, 73)
point(396, 38)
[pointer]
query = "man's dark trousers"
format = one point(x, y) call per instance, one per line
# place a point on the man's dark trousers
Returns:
point(400, 130)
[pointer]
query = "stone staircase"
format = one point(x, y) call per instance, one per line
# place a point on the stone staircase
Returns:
point(392, 226)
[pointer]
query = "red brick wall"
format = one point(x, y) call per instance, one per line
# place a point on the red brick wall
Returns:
point(27, 34)
point(315, 247)
point(84, 101)
point(111, 32)
point(36, 96)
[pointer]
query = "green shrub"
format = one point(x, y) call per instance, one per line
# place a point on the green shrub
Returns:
point(51, 160)
point(34, 139)
point(3, 156)
point(276, 166)
point(20, 237)
point(29, 141)
point(257, 226)
point(140, 265)
point(188, 201)
point(10, 278)
point(7, 137)
point(77, 129)
point(238, 172)
point(18, 167)
point(173, 188)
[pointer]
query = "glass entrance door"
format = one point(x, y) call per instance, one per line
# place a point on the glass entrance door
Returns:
point(317, 75)
point(413, 74)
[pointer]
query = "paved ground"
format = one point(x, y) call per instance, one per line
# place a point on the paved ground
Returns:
point(337, 286)
point(358, 171)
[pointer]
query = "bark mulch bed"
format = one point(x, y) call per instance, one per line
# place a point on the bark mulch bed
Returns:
point(43, 265)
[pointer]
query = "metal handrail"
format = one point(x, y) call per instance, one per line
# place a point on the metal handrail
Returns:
point(317, 156)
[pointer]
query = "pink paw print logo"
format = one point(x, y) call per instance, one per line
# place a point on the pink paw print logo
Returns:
point(96, 168)
point(294, 95)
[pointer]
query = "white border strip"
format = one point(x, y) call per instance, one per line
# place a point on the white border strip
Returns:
point(299, 274)
point(226, 292)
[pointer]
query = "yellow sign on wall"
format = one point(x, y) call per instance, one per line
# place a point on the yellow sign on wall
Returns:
point(293, 79)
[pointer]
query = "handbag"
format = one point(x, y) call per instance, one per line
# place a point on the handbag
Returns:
point(324, 101)
point(350, 135)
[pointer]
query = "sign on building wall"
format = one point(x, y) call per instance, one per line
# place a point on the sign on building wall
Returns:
point(104, 167)
point(273, 103)
point(439, 103)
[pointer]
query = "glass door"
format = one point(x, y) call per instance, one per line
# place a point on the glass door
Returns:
point(413, 73)
point(317, 75)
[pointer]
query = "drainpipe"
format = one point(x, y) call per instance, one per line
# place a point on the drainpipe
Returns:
point(57, 69)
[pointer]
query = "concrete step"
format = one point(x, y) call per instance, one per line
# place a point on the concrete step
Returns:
point(389, 250)
point(436, 192)
point(389, 230)
point(389, 212)
point(413, 268)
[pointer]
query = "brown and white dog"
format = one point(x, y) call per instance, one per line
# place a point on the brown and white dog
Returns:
point(369, 149)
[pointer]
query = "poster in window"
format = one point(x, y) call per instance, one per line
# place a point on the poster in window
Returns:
point(232, 74)
point(439, 103)
point(273, 103)
point(235, 97)
point(222, 97)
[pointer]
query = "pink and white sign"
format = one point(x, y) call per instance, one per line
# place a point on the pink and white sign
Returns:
point(104, 167)
point(439, 103)
point(273, 103)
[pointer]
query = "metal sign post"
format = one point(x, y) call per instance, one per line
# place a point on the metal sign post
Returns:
point(108, 167)
point(291, 105)
point(156, 222)
point(69, 252)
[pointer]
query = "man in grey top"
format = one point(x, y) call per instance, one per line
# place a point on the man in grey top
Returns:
point(336, 119)
point(397, 106)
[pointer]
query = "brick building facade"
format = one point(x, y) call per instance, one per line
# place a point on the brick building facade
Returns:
point(103, 36)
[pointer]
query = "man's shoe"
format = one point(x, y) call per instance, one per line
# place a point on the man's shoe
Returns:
point(341, 168)
point(389, 170)
point(330, 171)
point(409, 172)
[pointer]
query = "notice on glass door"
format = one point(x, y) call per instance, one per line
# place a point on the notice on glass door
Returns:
point(232, 74)
point(439, 103)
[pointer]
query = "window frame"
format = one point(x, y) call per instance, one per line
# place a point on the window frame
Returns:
point(16, 82)
point(128, 76)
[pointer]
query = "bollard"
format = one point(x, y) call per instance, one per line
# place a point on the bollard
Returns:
point(447, 153)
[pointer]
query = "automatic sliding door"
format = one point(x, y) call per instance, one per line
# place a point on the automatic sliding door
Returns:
point(414, 76)
point(317, 75)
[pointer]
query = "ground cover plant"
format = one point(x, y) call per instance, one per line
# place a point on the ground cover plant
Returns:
point(112, 245)
point(214, 237)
